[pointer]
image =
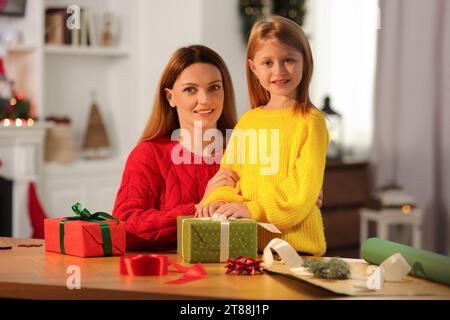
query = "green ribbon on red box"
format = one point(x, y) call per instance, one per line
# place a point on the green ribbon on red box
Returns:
point(97, 217)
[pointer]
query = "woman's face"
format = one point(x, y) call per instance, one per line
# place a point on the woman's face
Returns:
point(198, 96)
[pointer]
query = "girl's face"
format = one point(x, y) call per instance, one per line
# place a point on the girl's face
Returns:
point(278, 68)
point(198, 95)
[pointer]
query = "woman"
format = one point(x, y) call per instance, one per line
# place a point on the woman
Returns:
point(195, 89)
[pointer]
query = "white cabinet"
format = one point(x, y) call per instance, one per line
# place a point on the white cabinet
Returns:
point(93, 185)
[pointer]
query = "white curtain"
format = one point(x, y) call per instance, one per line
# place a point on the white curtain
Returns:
point(343, 39)
point(412, 109)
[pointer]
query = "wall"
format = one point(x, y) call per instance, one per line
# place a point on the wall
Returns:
point(162, 27)
point(221, 30)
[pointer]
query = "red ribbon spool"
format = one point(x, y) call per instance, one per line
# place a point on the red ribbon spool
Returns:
point(144, 265)
point(158, 265)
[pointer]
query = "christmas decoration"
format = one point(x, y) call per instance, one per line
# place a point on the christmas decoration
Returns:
point(294, 10)
point(85, 235)
point(36, 213)
point(331, 269)
point(96, 139)
point(12, 106)
point(243, 264)
point(253, 10)
point(15, 108)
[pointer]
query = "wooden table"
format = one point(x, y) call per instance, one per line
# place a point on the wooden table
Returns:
point(33, 273)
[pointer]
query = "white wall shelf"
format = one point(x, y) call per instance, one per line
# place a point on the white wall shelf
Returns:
point(86, 51)
point(21, 48)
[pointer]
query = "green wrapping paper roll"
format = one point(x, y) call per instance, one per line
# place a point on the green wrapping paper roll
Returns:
point(424, 264)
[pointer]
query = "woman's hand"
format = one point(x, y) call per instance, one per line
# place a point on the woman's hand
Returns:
point(207, 210)
point(319, 201)
point(234, 210)
point(223, 177)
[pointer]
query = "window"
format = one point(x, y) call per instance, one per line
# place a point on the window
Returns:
point(343, 37)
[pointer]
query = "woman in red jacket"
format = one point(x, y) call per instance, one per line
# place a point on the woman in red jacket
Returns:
point(195, 92)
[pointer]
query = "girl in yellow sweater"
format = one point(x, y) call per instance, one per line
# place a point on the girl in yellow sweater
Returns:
point(279, 147)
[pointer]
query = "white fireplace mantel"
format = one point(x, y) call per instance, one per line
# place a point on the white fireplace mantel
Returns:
point(22, 155)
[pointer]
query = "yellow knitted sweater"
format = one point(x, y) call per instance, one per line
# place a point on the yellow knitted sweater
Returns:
point(279, 156)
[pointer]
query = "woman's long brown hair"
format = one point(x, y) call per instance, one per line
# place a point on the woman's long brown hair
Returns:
point(290, 34)
point(164, 119)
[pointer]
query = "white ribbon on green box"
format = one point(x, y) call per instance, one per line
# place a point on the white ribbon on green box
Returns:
point(225, 233)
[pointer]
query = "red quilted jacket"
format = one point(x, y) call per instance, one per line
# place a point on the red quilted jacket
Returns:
point(154, 191)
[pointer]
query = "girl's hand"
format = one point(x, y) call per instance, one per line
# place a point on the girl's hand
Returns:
point(234, 210)
point(223, 177)
point(207, 210)
point(319, 201)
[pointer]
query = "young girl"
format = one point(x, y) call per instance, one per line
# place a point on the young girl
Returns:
point(281, 188)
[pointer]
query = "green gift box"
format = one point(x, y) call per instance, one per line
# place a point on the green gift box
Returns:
point(208, 240)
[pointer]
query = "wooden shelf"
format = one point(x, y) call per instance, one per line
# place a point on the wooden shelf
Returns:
point(86, 51)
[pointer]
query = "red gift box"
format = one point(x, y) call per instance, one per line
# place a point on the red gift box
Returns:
point(83, 238)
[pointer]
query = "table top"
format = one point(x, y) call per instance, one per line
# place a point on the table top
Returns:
point(33, 273)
